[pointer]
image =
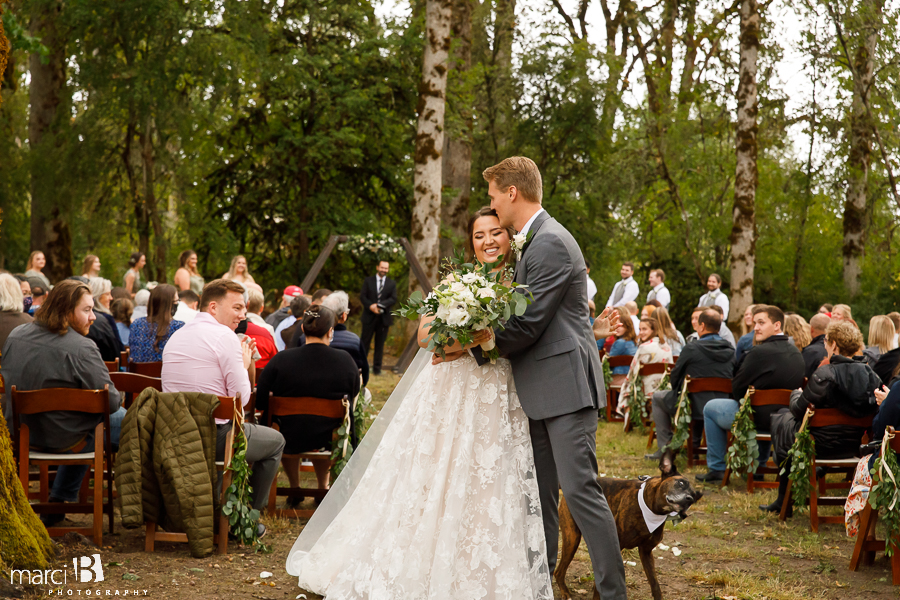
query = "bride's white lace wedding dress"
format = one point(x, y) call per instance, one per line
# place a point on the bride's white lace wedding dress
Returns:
point(447, 505)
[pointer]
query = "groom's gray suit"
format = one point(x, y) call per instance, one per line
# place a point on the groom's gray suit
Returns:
point(559, 380)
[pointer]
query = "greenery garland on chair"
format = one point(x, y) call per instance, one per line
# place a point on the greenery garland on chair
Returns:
point(800, 456)
point(682, 422)
point(885, 494)
point(743, 454)
point(636, 400)
point(242, 517)
point(342, 448)
point(665, 384)
point(607, 370)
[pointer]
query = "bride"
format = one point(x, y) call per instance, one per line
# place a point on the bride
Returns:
point(440, 499)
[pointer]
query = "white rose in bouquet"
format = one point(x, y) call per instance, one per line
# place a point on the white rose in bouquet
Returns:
point(470, 278)
point(458, 316)
point(486, 292)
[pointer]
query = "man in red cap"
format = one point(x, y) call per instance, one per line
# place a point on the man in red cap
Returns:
point(284, 311)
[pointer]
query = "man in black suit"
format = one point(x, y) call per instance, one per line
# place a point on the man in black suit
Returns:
point(378, 295)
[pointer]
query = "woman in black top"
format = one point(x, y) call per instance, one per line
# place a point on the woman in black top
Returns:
point(313, 370)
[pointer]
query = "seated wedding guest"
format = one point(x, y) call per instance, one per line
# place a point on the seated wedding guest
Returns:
point(255, 302)
point(102, 293)
point(344, 339)
point(798, 330)
point(815, 352)
point(894, 316)
point(647, 310)
point(774, 363)
point(314, 370)
point(724, 331)
point(132, 279)
point(38, 294)
point(91, 266)
point(206, 356)
point(881, 339)
point(150, 334)
point(695, 324)
point(54, 351)
point(841, 312)
point(187, 277)
point(140, 304)
point(25, 286)
point(626, 340)
point(12, 305)
point(658, 291)
point(284, 333)
point(34, 268)
point(651, 351)
point(238, 271)
point(843, 382)
point(284, 311)
point(186, 310)
point(825, 309)
point(120, 292)
point(709, 356)
point(122, 309)
point(667, 332)
point(745, 342)
point(632, 309)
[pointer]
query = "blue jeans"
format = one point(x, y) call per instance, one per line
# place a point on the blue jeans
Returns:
point(69, 477)
point(718, 416)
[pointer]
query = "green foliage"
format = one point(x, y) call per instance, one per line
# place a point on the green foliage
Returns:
point(800, 457)
point(19, 38)
point(743, 454)
point(242, 517)
point(636, 399)
point(885, 494)
point(682, 425)
point(341, 448)
point(607, 370)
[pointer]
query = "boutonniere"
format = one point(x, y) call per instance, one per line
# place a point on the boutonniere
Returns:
point(518, 243)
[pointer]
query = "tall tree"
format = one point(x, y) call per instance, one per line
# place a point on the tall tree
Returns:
point(50, 231)
point(456, 168)
point(743, 231)
point(866, 24)
point(426, 213)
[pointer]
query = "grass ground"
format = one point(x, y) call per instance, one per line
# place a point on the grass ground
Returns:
point(729, 550)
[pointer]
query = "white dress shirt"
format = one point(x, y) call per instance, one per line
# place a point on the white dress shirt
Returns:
point(720, 299)
point(591, 288)
point(184, 313)
point(631, 292)
point(662, 295)
point(530, 222)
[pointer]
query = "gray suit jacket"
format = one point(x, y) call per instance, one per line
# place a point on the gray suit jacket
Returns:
point(554, 357)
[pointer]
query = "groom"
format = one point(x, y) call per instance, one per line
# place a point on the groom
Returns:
point(557, 370)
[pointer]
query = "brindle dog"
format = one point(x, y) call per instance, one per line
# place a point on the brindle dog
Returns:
point(669, 492)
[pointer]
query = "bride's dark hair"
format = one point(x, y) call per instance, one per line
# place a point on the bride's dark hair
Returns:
point(484, 211)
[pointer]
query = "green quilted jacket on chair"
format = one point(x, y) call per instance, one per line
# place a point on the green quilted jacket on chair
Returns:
point(165, 469)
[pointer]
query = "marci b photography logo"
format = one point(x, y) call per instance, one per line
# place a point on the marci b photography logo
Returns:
point(86, 569)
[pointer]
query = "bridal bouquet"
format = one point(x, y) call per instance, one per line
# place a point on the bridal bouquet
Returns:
point(469, 299)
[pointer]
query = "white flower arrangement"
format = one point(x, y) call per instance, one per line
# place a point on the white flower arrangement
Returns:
point(382, 245)
point(469, 299)
point(518, 242)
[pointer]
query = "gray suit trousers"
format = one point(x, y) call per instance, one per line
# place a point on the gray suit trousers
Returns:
point(565, 456)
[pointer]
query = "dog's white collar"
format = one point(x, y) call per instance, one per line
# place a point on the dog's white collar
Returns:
point(651, 519)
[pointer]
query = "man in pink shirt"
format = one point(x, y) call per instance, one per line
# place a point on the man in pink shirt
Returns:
point(206, 356)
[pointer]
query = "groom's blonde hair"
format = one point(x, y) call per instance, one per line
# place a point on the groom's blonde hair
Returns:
point(520, 172)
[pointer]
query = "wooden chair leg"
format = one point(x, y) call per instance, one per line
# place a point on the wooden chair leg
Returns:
point(865, 534)
point(98, 495)
point(726, 477)
point(44, 483)
point(223, 519)
point(627, 426)
point(895, 563)
point(150, 536)
point(813, 497)
point(786, 502)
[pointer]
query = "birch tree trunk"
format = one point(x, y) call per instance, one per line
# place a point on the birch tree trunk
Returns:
point(743, 230)
point(457, 158)
point(426, 212)
point(860, 134)
point(50, 232)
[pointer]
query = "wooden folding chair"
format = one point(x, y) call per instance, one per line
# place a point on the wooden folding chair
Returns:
point(100, 457)
point(767, 466)
point(613, 387)
point(112, 365)
point(150, 369)
point(867, 543)
point(643, 371)
point(130, 385)
point(225, 410)
point(704, 384)
point(307, 406)
point(124, 358)
point(824, 417)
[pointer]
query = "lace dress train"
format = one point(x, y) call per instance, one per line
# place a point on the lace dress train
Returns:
point(447, 508)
